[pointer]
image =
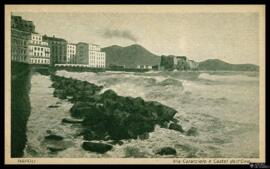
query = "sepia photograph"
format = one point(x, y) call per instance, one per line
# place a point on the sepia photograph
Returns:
point(167, 84)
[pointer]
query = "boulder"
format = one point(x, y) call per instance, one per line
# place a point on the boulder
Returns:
point(166, 151)
point(59, 93)
point(92, 88)
point(82, 109)
point(144, 136)
point(53, 106)
point(109, 94)
point(108, 115)
point(55, 146)
point(96, 147)
point(72, 121)
point(56, 85)
point(54, 137)
point(175, 120)
point(192, 132)
point(161, 112)
point(167, 113)
point(70, 90)
point(55, 149)
point(95, 117)
point(164, 125)
point(96, 132)
point(177, 127)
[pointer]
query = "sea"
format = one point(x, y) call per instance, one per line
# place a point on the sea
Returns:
point(222, 106)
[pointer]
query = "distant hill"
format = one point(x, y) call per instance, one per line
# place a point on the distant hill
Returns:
point(130, 56)
point(216, 64)
point(134, 55)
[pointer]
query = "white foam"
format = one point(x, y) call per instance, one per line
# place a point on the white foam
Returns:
point(206, 76)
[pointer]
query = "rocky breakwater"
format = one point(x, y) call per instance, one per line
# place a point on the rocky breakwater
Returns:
point(107, 116)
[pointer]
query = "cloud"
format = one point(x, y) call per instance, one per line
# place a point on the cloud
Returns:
point(115, 33)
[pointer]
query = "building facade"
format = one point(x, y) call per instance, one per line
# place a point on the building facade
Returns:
point(166, 62)
point(24, 25)
point(58, 49)
point(144, 67)
point(180, 62)
point(82, 53)
point(97, 58)
point(94, 47)
point(71, 53)
point(192, 65)
point(38, 50)
point(20, 35)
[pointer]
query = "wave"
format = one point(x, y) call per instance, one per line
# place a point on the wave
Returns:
point(206, 76)
point(170, 81)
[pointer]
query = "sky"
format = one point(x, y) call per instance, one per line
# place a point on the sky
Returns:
point(232, 37)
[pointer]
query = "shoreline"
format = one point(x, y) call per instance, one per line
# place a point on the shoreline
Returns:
point(117, 131)
point(147, 145)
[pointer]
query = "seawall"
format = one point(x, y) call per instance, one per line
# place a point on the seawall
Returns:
point(20, 106)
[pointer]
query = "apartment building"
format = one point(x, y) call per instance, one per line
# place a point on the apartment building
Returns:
point(20, 35)
point(97, 58)
point(38, 50)
point(58, 49)
point(71, 53)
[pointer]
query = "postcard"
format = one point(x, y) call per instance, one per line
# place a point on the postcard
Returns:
point(134, 84)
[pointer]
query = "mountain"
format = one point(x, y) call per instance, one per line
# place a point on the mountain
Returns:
point(216, 64)
point(130, 56)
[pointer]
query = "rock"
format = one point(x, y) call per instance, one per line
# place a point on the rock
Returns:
point(56, 85)
point(53, 106)
point(167, 113)
point(108, 115)
point(55, 149)
point(192, 132)
point(163, 113)
point(81, 109)
point(55, 146)
point(70, 87)
point(96, 132)
point(144, 136)
point(96, 147)
point(176, 127)
point(59, 93)
point(166, 151)
point(95, 117)
point(117, 124)
point(73, 121)
point(164, 125)
point(70, 90)
point(175, 120)
point(49, 131)
point(136, 126)
point(109, 94)
point(54, 137)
